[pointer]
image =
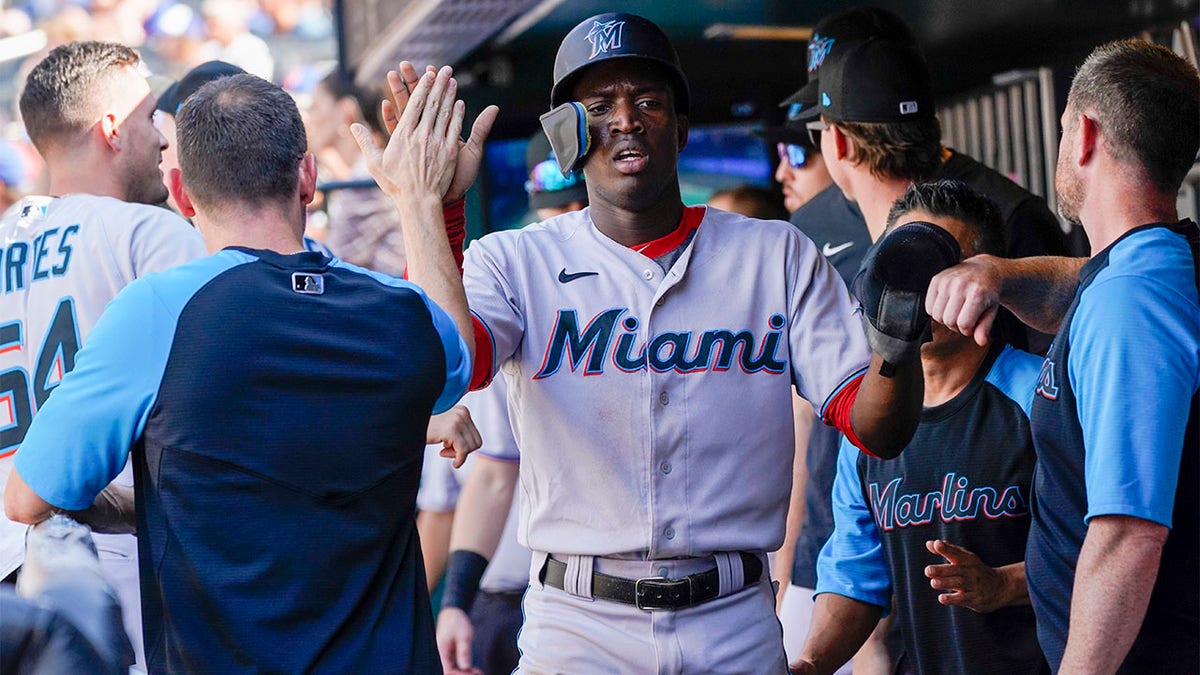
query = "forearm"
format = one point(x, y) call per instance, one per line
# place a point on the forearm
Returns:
point(433, 527)
point(802, 421)
point(483, 507)
point(1039, 290)
point(1017, 590)
point(887, 409)
point(431, 264)
point(839, 627)
point(1114, 577)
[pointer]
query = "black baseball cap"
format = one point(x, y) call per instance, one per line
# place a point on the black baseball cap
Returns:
point(197, 77)
point(545, 184)
point(787, 129)
point(876, 81)
point(851, 25)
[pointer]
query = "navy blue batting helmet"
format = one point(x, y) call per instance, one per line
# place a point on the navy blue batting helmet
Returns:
point(615, 35)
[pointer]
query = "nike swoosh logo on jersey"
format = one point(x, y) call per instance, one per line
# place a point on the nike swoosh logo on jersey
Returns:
point(564, 278)
point(828, 250)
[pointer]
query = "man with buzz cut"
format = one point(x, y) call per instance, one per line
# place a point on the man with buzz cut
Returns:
point(1115, 541)
point(275, 403)
point(68, 253)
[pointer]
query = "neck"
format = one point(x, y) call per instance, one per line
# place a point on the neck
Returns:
point(630, 227)
point(1114, 207)
point(264, 228)
point(81, 176)
point(875, 197)
point(949, 364)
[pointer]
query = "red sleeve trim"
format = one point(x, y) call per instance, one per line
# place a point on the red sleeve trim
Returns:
point(455, 216)
point(481, 370)
point(837, 413)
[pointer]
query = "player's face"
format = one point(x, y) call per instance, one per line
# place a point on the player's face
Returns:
point(142, 143)
point(322, 121)
point(944, 340)
point(1066, 179)
point(800, 183)
point(170, 155)
point(636, 135)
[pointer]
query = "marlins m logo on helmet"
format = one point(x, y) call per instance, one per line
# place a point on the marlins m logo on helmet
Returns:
point(605, 36)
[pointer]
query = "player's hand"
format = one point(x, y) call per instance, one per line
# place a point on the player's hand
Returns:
point(966, 580)
point(422, 148)
point(456, 431)
point(454, 636)
point(470, 155)
point(966, 297)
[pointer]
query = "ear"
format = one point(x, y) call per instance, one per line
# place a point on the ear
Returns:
point(308, 178)
point(1089, 138)
point(841, 144)
point(179, 194)
point(110, 131)
point(681, 129)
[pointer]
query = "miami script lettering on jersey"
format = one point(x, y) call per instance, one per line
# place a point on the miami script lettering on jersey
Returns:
point(957, 500)
point(48, 255)
point(608, 339)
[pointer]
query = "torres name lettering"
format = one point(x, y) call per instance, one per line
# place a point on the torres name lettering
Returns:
point(956, 501)
point(685, 352)
point(48, 255)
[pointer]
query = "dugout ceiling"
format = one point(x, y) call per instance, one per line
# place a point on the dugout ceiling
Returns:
point(504, 50)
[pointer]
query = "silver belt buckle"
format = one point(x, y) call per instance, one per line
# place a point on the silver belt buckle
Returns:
point(656, 593)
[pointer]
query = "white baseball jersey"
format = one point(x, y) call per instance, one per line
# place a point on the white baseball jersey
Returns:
point(652, 409)
point(63, 260)
point(441, 484)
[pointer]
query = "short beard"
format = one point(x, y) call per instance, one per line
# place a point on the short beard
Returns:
point(1069, 192)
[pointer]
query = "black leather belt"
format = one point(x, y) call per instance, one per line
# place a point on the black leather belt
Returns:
point(653, 593)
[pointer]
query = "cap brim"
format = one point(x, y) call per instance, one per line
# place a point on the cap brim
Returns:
point(783, 134)
point(166, 99)
point(555, 198)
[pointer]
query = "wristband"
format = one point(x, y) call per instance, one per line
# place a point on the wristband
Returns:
point(463, 572)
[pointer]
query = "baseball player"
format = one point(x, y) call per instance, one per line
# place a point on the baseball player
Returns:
point(481, 609)
point(649, 371)
point(1115, 540)
point(90, 115)
point(276, 384)
point(960, 490)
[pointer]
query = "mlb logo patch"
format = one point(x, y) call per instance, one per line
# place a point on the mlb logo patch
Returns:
point(308, 284)
point(908, 107)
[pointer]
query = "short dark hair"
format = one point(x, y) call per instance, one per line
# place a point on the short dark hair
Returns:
point(910, 150)
point(340, 84)
point(240, 140)
point(955, 199)
point(60, 91)
point(1144, 99)
point(756, 202)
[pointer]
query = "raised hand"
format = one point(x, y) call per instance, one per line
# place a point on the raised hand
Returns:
point(402, 84)
point(422, 150)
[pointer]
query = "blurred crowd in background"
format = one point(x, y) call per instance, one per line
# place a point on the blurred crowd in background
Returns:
point(290, 42)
